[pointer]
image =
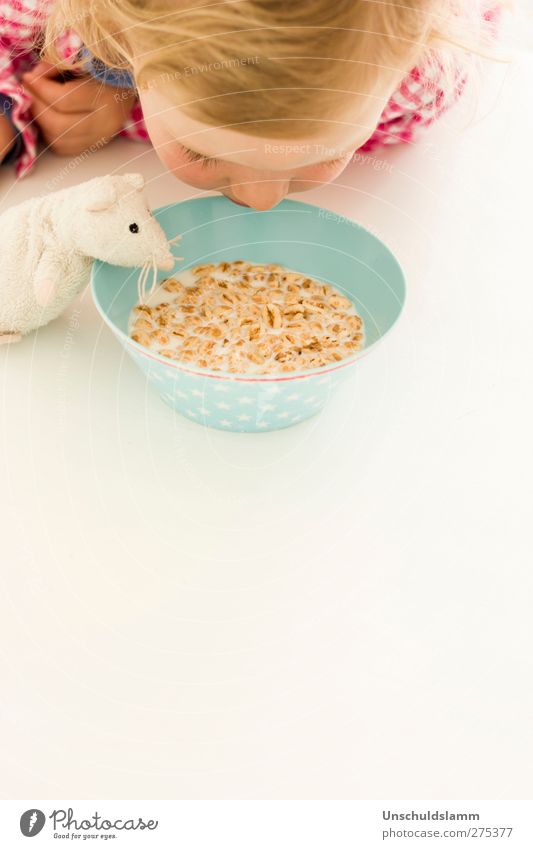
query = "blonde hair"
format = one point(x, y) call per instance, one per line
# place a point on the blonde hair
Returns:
point(272, 67)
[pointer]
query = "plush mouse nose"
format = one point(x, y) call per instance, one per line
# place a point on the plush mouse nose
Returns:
point(164, 258)
point(165, 261)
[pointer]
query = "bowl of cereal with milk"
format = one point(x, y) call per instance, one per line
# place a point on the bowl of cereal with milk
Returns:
point(265, 314)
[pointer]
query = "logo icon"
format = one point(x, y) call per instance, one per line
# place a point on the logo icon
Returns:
point(32, 822)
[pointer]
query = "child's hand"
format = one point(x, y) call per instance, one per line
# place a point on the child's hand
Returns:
point(7, 137)
point(77, 114)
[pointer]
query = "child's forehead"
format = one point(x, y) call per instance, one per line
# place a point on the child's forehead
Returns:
point(337, 138)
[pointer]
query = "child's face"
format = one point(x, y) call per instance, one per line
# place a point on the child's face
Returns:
point(249, 170)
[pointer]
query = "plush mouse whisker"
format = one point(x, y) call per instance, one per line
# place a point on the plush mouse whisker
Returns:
point(139, 288)
point(154, 276)
point(141, 282)
point(173, 242)
point(145, 280)
point(139, 285)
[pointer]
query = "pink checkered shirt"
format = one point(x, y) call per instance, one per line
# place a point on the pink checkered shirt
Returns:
point(418, 101)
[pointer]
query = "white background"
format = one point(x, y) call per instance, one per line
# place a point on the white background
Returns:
point(338, 610)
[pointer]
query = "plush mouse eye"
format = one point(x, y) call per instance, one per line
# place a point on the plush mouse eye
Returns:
point(134, 228)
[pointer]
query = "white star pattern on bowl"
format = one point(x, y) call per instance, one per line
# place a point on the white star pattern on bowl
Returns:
point(261, 407)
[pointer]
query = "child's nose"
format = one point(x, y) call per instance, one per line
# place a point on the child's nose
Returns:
point(261, 196)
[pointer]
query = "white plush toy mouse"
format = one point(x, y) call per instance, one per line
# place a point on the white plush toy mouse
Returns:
point(47, 245)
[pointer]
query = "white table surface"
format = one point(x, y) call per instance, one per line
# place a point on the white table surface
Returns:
point(340, 609)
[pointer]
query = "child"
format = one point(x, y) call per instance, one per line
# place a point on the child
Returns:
point(253, 98)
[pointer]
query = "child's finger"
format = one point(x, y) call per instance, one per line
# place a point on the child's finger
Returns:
point(42, 69)
point(51, 123)
point(64, 133)
point(47, 90)
point(31, 80)
point(73, 96)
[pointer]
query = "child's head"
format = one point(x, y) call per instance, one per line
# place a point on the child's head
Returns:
point(259, 98)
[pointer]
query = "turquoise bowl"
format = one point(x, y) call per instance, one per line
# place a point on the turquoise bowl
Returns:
point(315, 241)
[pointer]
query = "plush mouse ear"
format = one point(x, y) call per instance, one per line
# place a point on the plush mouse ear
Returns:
point(135, 180)
point(102, 196)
